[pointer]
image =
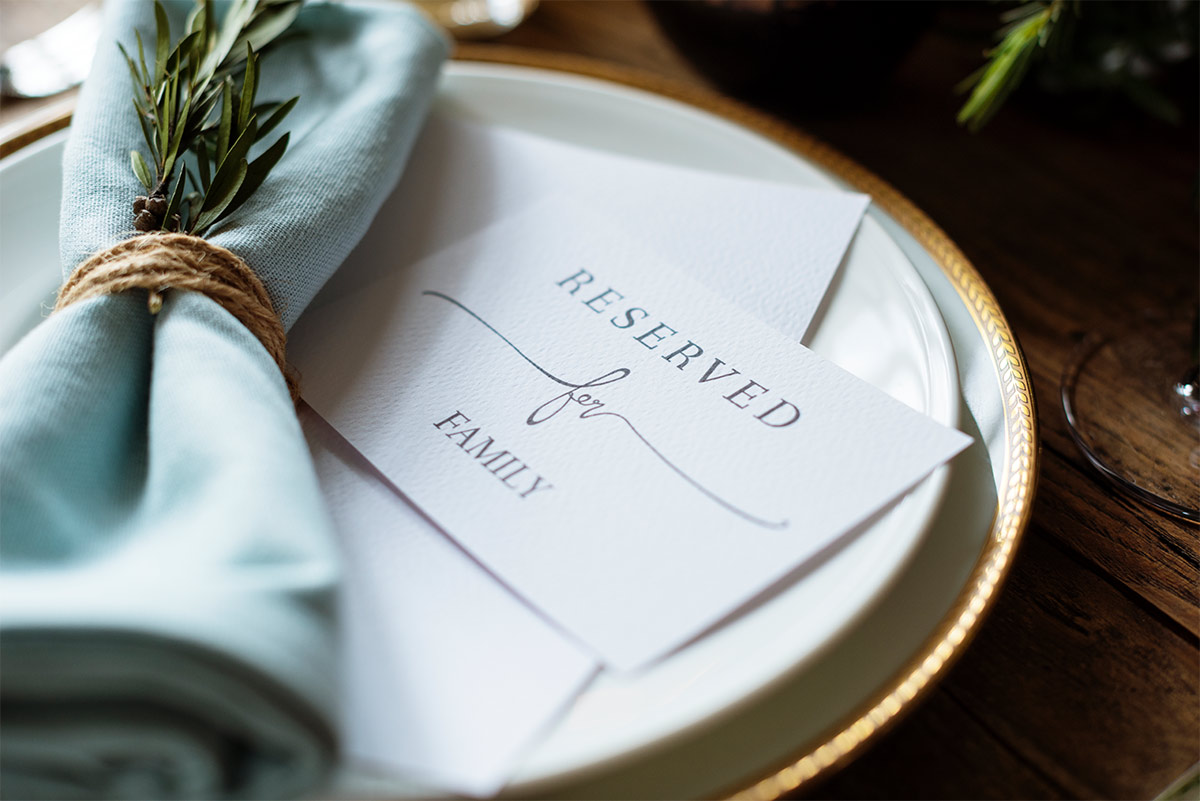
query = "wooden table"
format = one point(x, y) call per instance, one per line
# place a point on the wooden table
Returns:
point(1084, 680)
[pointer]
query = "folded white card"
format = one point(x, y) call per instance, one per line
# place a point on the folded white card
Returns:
point(447, 677)
point(772, 248)
point(634, 455)
point(416, 700)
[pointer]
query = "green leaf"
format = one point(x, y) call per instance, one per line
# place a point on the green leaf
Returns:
point(142, 58)
point(206, 20)
point(162, 120)
point(192, 58)
point(277, 116)
point(256, 173)
point(188, 179)
point(210, 25)
point(133, 70)
point(249, 87)
point(272, 20)
point(240, 149)
point(236, 18)
point(997, 82)
point(168, 119)
point(162, 30)
point(226, 121)
point(141, 118)
point(187, 173)
point(201, 110)
point(195, 19)
point(1018, 14)
point(141, 170)
point(228, 165)
point(159, 96)
point(1027, 33)
point(181, 53)
point(173, 205)
point(199, 23)
point(202, 166)
point(176, 138)
point(215, 203)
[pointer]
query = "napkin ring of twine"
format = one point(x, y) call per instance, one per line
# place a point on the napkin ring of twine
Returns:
point(158, 262)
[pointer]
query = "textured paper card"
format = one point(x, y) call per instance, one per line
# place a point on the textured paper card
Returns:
point(632, 454)
point(771, 248)
point(446, 676)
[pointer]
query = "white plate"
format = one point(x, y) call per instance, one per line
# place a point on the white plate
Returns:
point(766, 687)
point(880, 323)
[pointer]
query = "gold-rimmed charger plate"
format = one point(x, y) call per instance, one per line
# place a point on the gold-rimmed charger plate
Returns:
point(953, 578)
point(869, 679)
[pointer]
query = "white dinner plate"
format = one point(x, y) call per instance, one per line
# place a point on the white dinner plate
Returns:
point(805, 677)
point(880, 323)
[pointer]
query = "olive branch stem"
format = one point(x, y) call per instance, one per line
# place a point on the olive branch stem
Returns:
point(1028, 30)
point(198, 100)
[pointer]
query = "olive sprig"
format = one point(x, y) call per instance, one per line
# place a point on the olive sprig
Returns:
point(197, 109)
point(1028, 30)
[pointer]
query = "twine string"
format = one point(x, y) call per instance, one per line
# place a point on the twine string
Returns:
point(160, 262)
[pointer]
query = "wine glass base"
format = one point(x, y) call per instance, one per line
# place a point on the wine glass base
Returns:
point(1128, 415)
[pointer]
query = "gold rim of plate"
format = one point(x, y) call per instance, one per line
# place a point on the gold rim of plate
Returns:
point(907, 687)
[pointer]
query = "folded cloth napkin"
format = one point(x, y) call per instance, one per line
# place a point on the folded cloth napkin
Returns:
point(167, 569)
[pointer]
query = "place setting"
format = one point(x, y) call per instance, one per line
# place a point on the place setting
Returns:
point(626, 442)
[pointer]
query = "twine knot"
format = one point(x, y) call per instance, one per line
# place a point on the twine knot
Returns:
point(158, 262)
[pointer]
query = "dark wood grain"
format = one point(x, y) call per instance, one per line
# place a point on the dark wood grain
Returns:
point(1069, 685)
point(1083, 681)
point(925, 756)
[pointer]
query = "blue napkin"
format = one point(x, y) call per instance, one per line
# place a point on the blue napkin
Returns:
point(167, 568)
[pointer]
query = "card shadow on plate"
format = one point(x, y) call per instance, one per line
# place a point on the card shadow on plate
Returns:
point(959, 500)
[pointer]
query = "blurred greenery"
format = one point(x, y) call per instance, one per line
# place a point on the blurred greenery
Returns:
point(1143, 53)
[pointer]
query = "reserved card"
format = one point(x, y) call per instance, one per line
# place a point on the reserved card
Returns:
point(773, 248)
point(629, 452)
point(446, 676)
